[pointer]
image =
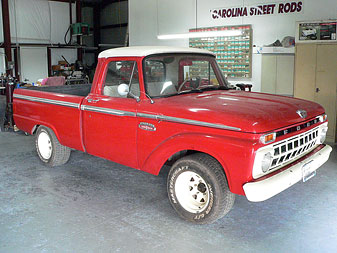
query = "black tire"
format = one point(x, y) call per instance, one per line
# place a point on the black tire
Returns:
point(215, 199)
point(58, 154)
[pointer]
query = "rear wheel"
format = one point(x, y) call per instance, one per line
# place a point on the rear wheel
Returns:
point(49, 149)
point(198, 189)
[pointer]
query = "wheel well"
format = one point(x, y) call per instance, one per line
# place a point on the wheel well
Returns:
point(173, 158)
point(35, 129)
point(183, 153)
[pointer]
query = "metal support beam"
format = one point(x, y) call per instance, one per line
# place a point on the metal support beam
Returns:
point(70, 12)
point(96, 28)
point(79, 20)
point(7, 34)
point(107, 2)
point(88, 4)
point(49, 61)
point(17, 61)
point(114, 26)
point(63, 1)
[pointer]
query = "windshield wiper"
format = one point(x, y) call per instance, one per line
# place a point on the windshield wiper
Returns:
point(215, 88)
point(190, 91)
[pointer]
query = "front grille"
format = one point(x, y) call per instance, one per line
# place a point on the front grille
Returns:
point(298, 127)
point(293, 148)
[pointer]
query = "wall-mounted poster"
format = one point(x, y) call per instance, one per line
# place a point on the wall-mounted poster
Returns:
point(317, 31)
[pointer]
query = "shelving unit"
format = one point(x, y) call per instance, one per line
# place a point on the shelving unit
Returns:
point(233, 53)
point(201, 69)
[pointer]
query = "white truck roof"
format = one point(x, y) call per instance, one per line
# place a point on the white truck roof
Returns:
point(140, 51)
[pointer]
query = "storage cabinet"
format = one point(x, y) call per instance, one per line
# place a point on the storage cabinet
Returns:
point(277, 74)
point(316, 78)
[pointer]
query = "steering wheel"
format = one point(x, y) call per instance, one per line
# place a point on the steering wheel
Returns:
point(183, 84)
point(194, 83)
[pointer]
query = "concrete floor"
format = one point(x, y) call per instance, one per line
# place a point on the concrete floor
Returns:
point(93, 205)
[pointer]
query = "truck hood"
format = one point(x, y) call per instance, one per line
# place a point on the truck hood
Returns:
point(249, 111)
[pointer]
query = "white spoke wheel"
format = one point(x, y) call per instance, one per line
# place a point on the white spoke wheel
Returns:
point(44, 145)
point(192, 191)
point(49, 149)
point(198, 189)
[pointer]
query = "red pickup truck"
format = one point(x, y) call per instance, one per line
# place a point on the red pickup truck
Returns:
point(151, 106)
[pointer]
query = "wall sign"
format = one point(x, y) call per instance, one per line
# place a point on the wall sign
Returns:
point(316, 31)
point(257, 10)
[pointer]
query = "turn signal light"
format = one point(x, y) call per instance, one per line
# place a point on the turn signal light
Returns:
point(268, 138)
point(323, 117)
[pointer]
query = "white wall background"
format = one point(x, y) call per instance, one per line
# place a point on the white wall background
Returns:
point(69, 53)
point(38, 21)
point(39, 69)
point(148, 18)
point(2, 61)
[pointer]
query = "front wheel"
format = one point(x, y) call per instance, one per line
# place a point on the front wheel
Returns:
point(49, 149)
point(198, 189)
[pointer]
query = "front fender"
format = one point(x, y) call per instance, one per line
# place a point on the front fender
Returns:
point(222, 148)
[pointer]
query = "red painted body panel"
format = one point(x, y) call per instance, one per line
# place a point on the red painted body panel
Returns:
point(251, 112)
point(120, 139)
point(116, 138)
point(65, 121)
point(230, 149)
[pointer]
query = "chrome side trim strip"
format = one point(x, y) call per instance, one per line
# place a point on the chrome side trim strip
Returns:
point(148, 116)
point(47, 101)
point(187, 121)
point(107, 111)
point(126, 113)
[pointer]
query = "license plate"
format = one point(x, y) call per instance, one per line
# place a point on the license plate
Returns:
point(307, 171)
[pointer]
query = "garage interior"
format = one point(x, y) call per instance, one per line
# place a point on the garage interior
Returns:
point(95, 205)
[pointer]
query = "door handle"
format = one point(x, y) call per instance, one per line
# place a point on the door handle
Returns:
point(90, 100)
point(317, 90)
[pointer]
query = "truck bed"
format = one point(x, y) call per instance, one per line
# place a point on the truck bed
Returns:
point(57, 107)
point(81, 90)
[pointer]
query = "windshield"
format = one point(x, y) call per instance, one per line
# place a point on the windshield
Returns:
point(169, 75)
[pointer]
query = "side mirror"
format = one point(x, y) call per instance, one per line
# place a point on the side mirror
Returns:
point(123, 89)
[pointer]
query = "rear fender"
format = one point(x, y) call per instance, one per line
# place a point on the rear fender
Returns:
point(49, 126)
point(29, 125)
point(35, 126)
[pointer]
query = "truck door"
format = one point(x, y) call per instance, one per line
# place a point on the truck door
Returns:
point(109, 118)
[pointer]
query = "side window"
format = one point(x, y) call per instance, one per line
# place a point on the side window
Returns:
point(119, 72)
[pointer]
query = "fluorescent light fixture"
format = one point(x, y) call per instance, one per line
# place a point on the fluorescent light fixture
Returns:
point(225, 33)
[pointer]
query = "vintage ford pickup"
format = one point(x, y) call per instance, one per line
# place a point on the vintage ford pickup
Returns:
point(155, 106)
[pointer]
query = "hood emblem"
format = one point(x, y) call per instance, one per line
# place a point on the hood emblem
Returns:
point(302, 113)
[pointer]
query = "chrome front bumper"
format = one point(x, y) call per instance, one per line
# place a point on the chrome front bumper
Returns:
point(269, 187)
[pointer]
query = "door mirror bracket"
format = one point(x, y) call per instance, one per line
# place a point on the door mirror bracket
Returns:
point(124, 90)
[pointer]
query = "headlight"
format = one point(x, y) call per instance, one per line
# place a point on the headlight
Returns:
point(266, 162)
point(263, 161)
point(322, 133)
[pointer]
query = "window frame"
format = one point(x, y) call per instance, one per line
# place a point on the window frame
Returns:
point(214, 64)
point(105, 72)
